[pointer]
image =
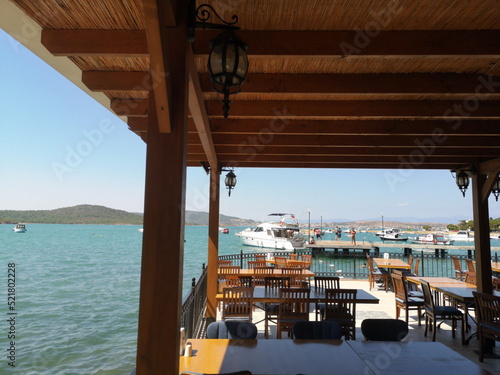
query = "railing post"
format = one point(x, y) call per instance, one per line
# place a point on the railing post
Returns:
point(422, 262)
point(241, 258)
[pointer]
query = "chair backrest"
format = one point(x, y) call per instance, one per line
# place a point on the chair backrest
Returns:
point(340, 304)
point(322, 330)
point(276, 282)
point(246, 281)
point(470, 265)
point(232, 281)
point(417, 265)
point(260, 273)
point(294, 304)
point(370, 263)
point(308, 259)
point(321, 283)
point(470, 278)
point(487, 309)
point(280, 262)
point(410, 260)
point(298, 264)
point(295, 274)
point(232, 329)
point(260, 257)
point(400, 290)
point(229, 270)
point(456, 264)
point(237, 302)
point(256, 263)
point(428, 298)
point(384, 329)
point(293, 256)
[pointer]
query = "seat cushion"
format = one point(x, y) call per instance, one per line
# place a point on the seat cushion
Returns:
point(232, 329)
point(447, 310)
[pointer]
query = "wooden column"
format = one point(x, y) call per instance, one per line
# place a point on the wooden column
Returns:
point(481, 234)
point(164, 210)
point(213, 243)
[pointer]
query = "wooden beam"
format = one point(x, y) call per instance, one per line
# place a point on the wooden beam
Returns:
point(164, 208)
point(129, 43)
point(154, 13)
point(383, 109)
point(482, 43)
point(491, 169)
point(426, 143)
point(355, 127)
point(251, 164)
point(213, 243)
point(199, 113)
point(416, 83)
point(445, 84)
point(344, 43)
point(129, 107)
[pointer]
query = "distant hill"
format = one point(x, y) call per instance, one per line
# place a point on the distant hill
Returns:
point(90, 214)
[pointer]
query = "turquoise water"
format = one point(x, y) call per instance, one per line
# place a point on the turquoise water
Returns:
point(77, 294)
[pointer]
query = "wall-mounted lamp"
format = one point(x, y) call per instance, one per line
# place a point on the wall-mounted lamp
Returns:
point(496, 188)
point(230, 181)
point(227, 61)
point(462, 178)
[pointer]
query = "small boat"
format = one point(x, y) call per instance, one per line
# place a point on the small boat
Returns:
point(393, 237)
point(280, 232)
point(431, 239)
point(224, 230)
point(461, 235)
point(389, 233)
point(141, 230)
point(19, 228)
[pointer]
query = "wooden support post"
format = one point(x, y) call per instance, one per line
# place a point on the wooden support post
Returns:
point(164, 211)
point(481, 234)
point(213, 244)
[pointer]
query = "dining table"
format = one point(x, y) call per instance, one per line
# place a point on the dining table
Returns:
point(325, 357)
point(391, 263)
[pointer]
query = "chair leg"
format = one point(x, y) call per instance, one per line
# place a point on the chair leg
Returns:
point(481, 345)
point(426, 323)
point(419, 315)
point(434, 327)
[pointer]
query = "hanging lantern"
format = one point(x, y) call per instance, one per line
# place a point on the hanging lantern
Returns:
point(230, 181)
point(462, 181)
point(496, 188)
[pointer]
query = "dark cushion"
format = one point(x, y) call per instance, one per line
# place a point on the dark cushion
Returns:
point(447, 310)
point(323, 330)
point(232, 329)
point(384, 329)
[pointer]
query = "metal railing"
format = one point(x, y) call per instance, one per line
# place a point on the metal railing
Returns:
point(193, 307)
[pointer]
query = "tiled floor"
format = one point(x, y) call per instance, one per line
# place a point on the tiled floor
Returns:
point(386, 309)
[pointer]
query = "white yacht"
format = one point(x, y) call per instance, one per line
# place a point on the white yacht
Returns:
point(19, 228)
point(461, 235)
point(280, 232)
point(388, 232)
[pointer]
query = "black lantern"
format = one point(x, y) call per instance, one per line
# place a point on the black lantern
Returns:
point(228, 66)
point(230, 181)
point(496, 188)
point(462, 181)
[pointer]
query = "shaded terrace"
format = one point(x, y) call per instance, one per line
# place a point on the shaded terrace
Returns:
point(331, 84)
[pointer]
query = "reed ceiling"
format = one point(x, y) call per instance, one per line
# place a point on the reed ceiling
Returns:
point(319, 93)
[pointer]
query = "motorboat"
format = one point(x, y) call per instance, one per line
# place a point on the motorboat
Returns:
point(431, 239)
point(395, 236)
point(388, 232)
point(461, 235)
point(224, 230)
point(280, 232)
point(19, 228)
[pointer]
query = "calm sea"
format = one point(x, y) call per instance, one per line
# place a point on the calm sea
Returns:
point(77, 294)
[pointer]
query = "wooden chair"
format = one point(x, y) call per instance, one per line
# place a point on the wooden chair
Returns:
point(296, 276)
point(293, 306)
point(384, 329)
point(232, 329)
point(308, 259)
point(459, 272)
point(321, 284)
point(273, 284)
point(293, 256)
point(417, 266)
point(375, 274)
point(470, 278)
point(224, 263)
point(410, 260)
point(256, 263)
point(224, 272)
point(470, 265)
point(260, 257)
point(487, 318)
point(340, 306)
point(433, 313)
point(403, 300)
point(260, 273)
point(280, 262)
point(237, 302)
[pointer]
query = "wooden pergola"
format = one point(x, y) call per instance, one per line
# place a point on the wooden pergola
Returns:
point(382, 84)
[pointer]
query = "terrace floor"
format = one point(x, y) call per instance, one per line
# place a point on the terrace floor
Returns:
point(386, 309)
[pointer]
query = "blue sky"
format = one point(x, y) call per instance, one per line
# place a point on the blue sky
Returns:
point(60, 148)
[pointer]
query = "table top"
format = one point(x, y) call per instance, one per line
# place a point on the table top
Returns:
point(320, 357)
point(495, 266)
point(260, 294)
point(414, 358)
point(445, 281)
point(391, 263)
point(277, 357)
